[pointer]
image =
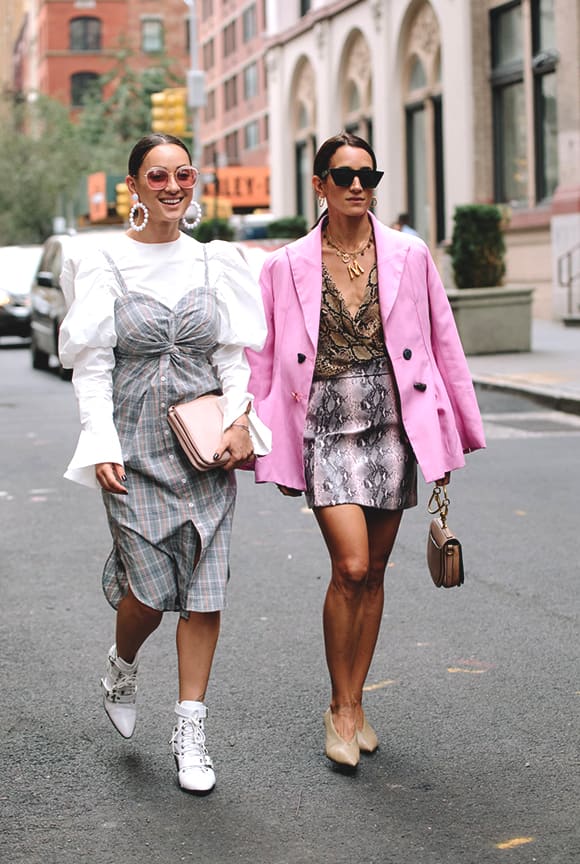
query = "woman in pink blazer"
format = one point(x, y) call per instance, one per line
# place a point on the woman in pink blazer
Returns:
point(361, 378)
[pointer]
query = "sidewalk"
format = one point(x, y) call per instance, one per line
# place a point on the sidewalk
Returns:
point(550, 372)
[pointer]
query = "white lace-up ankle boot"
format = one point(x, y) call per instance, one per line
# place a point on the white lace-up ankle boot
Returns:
point(119, 685)
point(194, 766)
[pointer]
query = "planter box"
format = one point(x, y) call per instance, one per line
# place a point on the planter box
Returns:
point(493, 320)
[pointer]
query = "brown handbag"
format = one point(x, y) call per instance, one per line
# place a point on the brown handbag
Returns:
point(198, 426)
point(444, 552)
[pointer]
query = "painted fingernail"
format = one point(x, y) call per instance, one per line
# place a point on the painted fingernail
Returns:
point(216, 456)
point(123, 477)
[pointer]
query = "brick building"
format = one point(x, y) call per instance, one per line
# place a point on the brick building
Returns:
point(63, 46)
point(234, 122)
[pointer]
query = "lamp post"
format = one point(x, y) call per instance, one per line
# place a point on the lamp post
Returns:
point(195, 89)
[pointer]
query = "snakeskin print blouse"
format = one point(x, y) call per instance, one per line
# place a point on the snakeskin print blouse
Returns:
point(345, 340)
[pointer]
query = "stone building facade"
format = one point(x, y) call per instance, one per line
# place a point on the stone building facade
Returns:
point(471, 101)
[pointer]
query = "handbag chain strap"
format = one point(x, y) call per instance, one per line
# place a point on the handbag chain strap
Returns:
point(439, 503)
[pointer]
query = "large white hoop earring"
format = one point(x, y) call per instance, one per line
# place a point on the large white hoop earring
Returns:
point(196, 207)
point(138, 205)
point(374, 202)
point(321, 200)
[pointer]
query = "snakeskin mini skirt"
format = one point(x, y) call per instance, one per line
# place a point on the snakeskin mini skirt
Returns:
point(355, 448)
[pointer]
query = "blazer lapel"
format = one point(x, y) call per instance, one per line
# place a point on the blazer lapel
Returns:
point(305, 259)
point(392, 249)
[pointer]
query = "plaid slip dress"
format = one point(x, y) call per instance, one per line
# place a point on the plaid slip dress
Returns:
point(171, 533)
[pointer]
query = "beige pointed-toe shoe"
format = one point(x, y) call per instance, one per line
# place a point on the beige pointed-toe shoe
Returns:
point(367, 737)
point(336, 748)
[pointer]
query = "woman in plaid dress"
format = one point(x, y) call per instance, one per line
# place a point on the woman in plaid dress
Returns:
point(155, 319)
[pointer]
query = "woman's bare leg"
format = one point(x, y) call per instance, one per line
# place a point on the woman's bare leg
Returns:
point(135, 623)
point(196, 639)
point(344, 529)
point(382, 526)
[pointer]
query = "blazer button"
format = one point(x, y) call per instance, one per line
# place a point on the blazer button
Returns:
point(301, 358)
point(420, 386)
point(407, 353)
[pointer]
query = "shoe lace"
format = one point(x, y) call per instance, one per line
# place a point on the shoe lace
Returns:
point(123, 687)
point(188, 741)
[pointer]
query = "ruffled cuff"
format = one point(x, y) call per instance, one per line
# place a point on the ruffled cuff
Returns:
point(233, 406)
point(90, 451)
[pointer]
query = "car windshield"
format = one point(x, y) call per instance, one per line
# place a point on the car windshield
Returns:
point(18, 265)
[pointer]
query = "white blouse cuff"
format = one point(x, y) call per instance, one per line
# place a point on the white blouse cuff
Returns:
point(233, 407)
point(91, 450)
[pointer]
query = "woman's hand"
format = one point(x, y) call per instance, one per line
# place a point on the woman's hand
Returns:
point(109, 476)
point(238, 441)
point(287, 490)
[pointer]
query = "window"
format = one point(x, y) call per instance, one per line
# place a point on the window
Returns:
point(152, 35)
point(425, 192)
point(229, 39)
point(208, 54)
point(209, 110)
point(232, 153)
point(417, 179)
point(516, 117)
point(305, 6)
point(231, 93)
point(544, 62)
point(81, 85)
point(251, 135)
point(249, 23)
point(251, 81)
point(85, 34)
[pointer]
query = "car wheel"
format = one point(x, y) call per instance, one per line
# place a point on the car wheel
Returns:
point(40, 360)
point(65, 374)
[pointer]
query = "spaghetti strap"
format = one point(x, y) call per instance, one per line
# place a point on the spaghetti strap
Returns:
point(116, 273)
point(206, 266)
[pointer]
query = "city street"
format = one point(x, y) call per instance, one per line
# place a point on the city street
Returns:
point(474, 692)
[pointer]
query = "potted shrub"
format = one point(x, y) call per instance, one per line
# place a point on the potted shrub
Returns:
point(288, 228)
point(492, 318)
point(213, 229)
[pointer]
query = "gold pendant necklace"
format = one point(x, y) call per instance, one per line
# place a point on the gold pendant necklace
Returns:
point(350, 258)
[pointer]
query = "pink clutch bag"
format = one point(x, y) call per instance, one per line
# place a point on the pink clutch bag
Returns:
point(198, 426)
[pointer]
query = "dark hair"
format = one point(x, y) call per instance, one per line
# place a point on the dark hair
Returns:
point(147, 143)
point(327, 150)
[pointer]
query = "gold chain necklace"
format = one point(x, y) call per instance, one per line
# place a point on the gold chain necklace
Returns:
point(350, 258)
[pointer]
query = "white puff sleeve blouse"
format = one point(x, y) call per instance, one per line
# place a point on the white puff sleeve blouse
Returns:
point(165, 271)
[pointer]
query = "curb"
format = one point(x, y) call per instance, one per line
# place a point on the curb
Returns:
point(557, 401)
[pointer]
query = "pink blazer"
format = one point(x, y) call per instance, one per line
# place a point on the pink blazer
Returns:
point(438, 405)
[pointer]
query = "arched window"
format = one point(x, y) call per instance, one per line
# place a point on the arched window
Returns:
point(357, 88)
point(85, 34)
point(304, 94)
point(424, 127)
point(81, 84)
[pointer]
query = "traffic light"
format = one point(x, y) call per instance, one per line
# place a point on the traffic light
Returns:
point(159, 111)
point(177, 110)
point(123, 200)
point(169, 111)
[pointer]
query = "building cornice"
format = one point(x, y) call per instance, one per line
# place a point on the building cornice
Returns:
point(306, 23)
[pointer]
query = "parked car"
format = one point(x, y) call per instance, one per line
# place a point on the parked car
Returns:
point(47, 303)
point(17, 267)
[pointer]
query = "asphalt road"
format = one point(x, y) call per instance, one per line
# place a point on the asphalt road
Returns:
point(474, 692)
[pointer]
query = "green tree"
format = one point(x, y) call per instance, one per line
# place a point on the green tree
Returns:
point(47, 156)
point(40, 153)
point(110, 126)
